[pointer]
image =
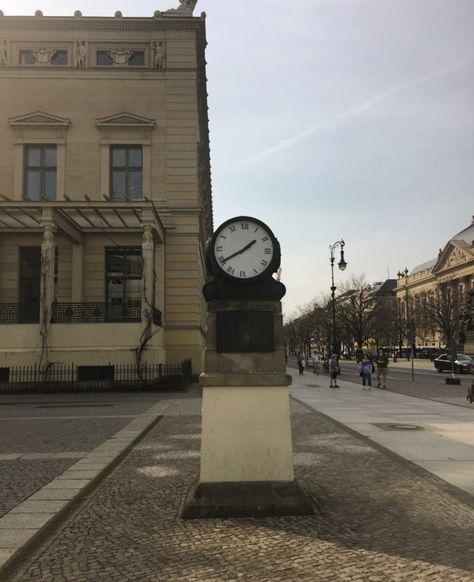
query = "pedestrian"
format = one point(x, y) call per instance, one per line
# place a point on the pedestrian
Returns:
point(316, 363)
point(333, 369)
point(303, 364)
point(382, 368)
point(366, 372)
point(299, 358)
point(470, 390)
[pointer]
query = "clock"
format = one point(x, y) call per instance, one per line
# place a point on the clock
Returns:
point(244, 249)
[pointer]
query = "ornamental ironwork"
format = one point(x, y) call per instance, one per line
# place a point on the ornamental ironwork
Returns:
point(95, 312)
point(9, 313)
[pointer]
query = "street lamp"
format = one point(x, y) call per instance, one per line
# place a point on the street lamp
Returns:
point(410, 322)
point(342, 266)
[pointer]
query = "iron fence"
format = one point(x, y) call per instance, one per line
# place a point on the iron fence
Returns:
point(73, 378)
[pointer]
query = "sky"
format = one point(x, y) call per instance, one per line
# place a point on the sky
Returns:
point(335, 119)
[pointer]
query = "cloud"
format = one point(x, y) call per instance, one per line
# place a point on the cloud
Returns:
point(347, 115)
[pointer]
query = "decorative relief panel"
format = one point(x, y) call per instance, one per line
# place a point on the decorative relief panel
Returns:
point(43, 55)
point(452, 256)
point(120, 56)
point(3, 54)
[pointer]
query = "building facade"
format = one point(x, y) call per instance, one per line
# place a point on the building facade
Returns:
point(452, 269)
point(105, 189)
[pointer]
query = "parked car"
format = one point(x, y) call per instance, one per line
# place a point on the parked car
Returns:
point(462, 363)
point(429, 353)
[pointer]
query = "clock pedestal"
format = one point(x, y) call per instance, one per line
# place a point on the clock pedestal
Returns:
point(246, 450)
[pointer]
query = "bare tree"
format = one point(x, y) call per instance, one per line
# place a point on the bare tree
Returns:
point(357, 311)
point(444, 308)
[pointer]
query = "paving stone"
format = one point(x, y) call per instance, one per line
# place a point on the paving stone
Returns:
point(14, 538)
point(25, 520)
point(377, 519)
point(5, 555)
point(39, 506)
point(53, 494)
point(62, 483)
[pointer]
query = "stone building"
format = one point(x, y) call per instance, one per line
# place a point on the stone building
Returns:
point(105, 188)
point(454, 268)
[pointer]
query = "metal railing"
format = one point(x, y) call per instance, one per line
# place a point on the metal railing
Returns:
point(87, 312)
point(95, 312)
point(17, 313)
point(73, 378)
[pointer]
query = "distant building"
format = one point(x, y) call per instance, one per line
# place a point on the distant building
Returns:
point(105, 188)
point(454, 266)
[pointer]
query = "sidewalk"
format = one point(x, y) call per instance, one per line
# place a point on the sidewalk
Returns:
point(435, 436)
point(377, 517)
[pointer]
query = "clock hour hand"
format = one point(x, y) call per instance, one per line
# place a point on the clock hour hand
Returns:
point(251, 243)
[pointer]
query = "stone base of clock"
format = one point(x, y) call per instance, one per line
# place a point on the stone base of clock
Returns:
point(246, 434)
point(246, 499)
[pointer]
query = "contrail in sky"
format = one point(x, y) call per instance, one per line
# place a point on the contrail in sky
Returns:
point(346, 115)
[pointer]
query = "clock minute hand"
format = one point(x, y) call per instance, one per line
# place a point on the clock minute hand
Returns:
point(251, 243)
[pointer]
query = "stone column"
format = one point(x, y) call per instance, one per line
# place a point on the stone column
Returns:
point(47, 277)
point(77, 273)
point(148, 289)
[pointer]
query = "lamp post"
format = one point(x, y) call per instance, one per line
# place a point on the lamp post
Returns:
point(342, 265)
point(410, 326)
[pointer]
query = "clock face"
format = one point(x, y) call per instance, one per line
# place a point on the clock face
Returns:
point(244, 248)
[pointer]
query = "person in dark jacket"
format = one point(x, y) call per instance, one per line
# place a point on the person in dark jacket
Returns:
point(333, 370)
point(366, 372)
point(382, 368)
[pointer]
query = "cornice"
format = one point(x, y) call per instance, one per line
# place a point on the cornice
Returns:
point(144, 74)
point(84, 23)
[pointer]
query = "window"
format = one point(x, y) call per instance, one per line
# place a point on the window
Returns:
point(40, 172)
point(137, 59)
point(59, 58)
point(103, 58)
point(26, 58)
point(123, 277)
point(29, 284)
point(126, 174)
point(43, 57)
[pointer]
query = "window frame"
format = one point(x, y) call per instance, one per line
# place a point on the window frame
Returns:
point(42, 169)
point(126, 251)
point(127, 169)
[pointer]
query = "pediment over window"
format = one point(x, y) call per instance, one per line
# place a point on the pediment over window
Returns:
point(39, 119)
point(455, 253)
point(124, 120)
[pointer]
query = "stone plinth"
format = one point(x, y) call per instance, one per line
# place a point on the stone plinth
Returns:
point(246, 448)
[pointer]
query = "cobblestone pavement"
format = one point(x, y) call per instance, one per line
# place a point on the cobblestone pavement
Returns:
point(42, 435)
point(377, 518)
point(21, 478)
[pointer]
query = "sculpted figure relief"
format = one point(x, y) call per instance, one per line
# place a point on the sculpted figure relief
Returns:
point(3, 54)
point(43, 55)
point(81, 54)
point(158, 54)
point(185, 6)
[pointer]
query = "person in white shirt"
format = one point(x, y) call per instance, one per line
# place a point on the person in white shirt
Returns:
point(316, 363)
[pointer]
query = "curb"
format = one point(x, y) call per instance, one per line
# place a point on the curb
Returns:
point(28, 524)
